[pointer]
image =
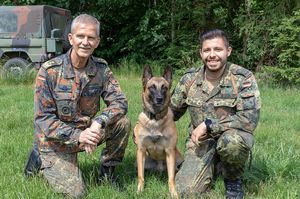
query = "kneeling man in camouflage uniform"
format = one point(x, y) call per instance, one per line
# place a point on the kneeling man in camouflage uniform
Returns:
point(223, 101)
point(67, 113)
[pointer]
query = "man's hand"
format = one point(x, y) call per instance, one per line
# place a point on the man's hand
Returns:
point(95, 127)
point(90, 137)
point(199, 133)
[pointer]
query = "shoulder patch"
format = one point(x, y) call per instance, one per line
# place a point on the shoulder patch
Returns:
point(189, 77)
point(100, 60)
point(52, 62)
point(238, 70)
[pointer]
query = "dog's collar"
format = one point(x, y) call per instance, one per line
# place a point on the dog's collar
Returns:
point(156, 116)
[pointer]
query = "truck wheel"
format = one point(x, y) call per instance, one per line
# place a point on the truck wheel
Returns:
point(15, 67)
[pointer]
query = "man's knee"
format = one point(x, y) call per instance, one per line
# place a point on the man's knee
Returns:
point(71, 186)
point(196, 172)
point(116, 142)
point(121, 127)
point(125, 124)
point(63, 175)
point(233, 146)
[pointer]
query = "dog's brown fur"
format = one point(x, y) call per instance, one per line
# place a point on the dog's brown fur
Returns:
point(155, 132)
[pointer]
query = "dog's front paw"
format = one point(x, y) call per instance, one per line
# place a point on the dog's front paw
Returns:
point(174, 193)
point(140, 188)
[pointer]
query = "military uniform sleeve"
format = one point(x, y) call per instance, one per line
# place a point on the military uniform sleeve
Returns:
point(46, 119)
point(178, 100)
point(248, 106)
point(115, 100)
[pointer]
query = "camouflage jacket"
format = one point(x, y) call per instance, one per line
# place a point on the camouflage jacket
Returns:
point(233, 104)
point(66, 103)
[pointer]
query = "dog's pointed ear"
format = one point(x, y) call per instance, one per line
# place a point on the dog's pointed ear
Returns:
point(168, 75)
point(147, 75)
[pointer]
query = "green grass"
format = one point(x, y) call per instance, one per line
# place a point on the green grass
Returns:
point(275, 171)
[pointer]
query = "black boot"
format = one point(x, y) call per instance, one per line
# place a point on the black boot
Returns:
point(34, 162)
point(234, 189)
point(106, 173)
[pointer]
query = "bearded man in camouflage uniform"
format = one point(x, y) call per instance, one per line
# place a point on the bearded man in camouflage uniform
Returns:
point(67, 118)
point(223, 101)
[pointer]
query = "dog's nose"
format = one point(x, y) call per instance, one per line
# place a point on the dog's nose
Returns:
point(159, 100)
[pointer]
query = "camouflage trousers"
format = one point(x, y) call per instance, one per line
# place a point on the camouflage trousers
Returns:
point(61, 169)
point(225, 155)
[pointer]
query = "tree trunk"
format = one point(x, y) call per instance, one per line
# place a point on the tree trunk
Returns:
point(172, 22)
point(246, 31)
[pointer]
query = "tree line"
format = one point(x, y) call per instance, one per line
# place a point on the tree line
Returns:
point(265, 35)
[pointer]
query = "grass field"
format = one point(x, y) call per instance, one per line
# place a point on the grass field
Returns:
point(275, 171)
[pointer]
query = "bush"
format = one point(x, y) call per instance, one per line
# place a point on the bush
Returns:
point(286, 42)
point(285, 39)
point(280, 76)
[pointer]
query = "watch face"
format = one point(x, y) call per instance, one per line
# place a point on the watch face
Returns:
point(208, 122)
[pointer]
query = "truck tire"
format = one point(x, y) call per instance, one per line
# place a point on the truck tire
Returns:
point(15, 67)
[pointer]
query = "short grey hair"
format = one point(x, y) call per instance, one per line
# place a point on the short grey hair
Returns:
point(88, 19)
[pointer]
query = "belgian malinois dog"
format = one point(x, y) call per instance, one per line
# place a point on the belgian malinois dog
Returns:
point(155, 132)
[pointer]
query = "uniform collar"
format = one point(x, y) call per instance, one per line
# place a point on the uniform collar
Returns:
point(201, 74)
point(91, 67)
point(226, 76)
point(68, 70)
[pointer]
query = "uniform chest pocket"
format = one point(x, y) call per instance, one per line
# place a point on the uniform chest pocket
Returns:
point(196, 110)
point(66, 105)
point(91, 91)
point(224, 107)
point(90, 100)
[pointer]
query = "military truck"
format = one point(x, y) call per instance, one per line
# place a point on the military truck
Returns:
point(31, 35)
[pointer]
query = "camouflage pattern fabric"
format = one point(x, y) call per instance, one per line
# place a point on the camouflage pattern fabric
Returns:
point(203, 162)
point(66, 103)
point(196, 173)
point(233, 107)
point(116, 140)
point(61, 169)
point(63, 174)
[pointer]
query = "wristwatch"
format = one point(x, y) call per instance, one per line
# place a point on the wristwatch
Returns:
point(208, 124)
point(102, 123)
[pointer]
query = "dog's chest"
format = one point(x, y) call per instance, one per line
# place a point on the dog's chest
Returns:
point(155, 145)
point(155, 139)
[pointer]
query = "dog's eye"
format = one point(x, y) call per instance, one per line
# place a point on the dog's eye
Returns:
point(152, 88)
point(164, 88)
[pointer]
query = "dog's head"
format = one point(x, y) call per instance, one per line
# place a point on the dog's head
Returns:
point(156, 90)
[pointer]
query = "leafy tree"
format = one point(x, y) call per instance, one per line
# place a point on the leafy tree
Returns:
point(255, 21)
point(285, 39)
point(262, 33)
